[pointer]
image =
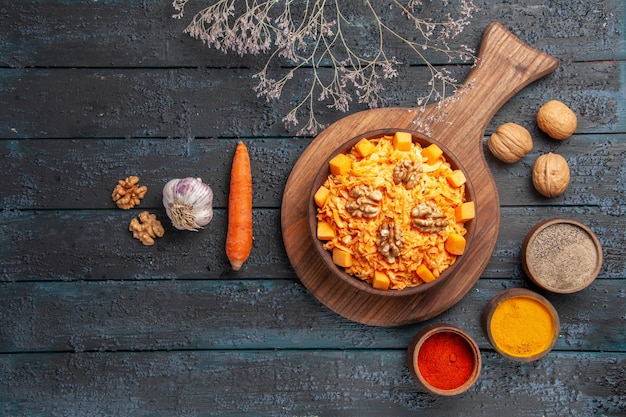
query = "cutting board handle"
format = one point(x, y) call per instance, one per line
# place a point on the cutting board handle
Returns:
point(503, 67)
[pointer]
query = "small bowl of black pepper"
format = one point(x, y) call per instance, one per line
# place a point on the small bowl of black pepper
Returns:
point(561, 255)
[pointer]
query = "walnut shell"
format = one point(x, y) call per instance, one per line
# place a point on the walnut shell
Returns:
point(551, 175)
point(557, 120)
point(510, 142)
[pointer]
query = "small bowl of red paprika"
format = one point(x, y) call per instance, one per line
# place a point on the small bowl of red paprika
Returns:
point(444, 359)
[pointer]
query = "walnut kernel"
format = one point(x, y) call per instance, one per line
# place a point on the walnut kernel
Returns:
point(407, 172)
point(390, 240)
point(146, 228)
point(366, 201)
point(127, 194)
point(428, 218)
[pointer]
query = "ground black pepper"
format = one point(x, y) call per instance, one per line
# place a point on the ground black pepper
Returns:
point(562, 256)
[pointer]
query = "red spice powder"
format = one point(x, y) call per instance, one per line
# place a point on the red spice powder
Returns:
point(445, 360)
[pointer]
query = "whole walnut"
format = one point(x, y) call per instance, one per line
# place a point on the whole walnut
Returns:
point(551, 175)
point(510, 142)
point(557, 120)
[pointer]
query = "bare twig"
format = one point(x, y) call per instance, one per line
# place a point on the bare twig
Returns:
point(311, 34)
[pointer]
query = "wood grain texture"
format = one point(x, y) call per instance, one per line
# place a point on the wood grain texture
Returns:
point(127, 33)
point(38, 174)
point(199, 103)
point(297, 383)
point(258, 314)
point(81, 253)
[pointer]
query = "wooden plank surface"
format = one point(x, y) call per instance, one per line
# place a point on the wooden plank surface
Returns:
point(190, 103)
point(56, 245)
point(92, 323)
point(257, 314)
point(298, 383)
point(127, 33)
point(39, 173)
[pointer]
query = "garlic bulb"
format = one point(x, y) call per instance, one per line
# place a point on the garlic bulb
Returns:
point(188, 203)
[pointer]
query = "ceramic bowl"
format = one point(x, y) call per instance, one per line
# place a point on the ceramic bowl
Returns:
point(561, 255)
point(530, 327)
point(339, 272)
point(437, 338)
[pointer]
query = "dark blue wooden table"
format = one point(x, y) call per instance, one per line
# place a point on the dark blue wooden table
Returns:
point(93, 323)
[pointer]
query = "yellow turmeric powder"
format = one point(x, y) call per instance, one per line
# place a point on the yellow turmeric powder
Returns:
point(522, 327)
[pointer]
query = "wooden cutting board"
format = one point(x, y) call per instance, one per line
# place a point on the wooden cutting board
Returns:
point(505, 65)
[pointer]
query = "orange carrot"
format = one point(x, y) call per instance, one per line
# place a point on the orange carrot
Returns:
point(455, 244)
point(425, 274)
point(239, 235)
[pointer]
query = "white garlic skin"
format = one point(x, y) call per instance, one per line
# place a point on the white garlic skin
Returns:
point(188, 203)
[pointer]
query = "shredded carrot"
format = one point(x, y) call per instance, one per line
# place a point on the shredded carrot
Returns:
point(239, 234)
point(358, 236)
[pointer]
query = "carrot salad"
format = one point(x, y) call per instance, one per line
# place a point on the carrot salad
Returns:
point(360, 204)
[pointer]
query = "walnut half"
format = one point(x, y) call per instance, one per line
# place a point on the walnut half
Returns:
point(147, 228)
point(365, 201)
point(428, 218)
point(127, 194)
point(407, 172)
point(390, 240)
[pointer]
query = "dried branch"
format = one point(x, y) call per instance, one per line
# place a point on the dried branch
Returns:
point(311, 34)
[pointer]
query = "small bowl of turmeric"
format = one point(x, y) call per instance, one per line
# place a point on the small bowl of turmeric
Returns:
point(521, 325)
point(444, 359)
point(391, 213)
